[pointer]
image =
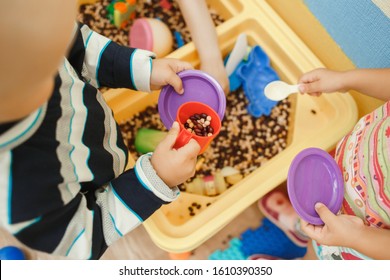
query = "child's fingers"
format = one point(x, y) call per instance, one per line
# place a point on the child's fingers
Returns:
point(307, 228)
point(312, 88)
point(311, 76)
point(191, 149)
point(312, 231)
point(182, 65)
point(175, 81)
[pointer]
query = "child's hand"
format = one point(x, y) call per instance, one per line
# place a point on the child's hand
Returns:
point(164, 72)
point(175, 166)
point(321, 80)
point(340, 230)
point(218, 72)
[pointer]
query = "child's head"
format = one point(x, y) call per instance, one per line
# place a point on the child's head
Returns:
point(34, 37)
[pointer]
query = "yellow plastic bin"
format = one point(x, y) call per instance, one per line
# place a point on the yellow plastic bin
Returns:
point(314, 122)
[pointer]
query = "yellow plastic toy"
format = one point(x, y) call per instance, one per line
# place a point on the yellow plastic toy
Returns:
point(120, 11)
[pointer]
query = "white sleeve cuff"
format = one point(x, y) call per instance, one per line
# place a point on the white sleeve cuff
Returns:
point(151, 181)
point(141, 69)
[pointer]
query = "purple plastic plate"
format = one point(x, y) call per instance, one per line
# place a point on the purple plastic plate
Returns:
point(314, 176)
point(198, 86)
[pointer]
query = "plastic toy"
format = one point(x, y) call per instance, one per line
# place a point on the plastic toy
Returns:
point(120, 11)
point(151, 34)
point(180, 256)
point(233, 252)
point(209, 185)
point(314, 176)
point(198, 87)
point(183, 114)
point(234, 81)
point(165, 4)
point(267, 239)
point(147, 139)
point(179, 39)
point(278, 90)
point(255, 75)
point(277, 208)
point(237, 55)
point(11, 253)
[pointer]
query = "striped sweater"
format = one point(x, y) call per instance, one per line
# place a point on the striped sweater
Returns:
point(63, 185)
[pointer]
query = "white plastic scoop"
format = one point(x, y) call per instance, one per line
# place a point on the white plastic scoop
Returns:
point(237, 55)
point(278, 90)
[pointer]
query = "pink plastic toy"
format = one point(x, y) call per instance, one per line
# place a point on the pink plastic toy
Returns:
point(152, 35)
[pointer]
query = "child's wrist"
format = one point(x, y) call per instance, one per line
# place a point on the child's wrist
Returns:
point(346, 81)
point(355, 240)
point(210, 56)
point(148, 175)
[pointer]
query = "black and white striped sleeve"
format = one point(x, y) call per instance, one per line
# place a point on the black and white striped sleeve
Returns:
point(107, 64)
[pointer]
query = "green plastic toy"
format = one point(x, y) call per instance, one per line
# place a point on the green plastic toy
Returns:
point(147, 139)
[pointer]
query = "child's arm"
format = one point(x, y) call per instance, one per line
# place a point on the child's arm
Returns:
point(204, 36)
point(349, 231)
point(103, 63)
point(372, 82)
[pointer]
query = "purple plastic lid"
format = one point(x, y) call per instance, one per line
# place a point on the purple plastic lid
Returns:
point(198, 86)
point(314, 176)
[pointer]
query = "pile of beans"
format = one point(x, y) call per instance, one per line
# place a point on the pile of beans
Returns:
point(199, 124)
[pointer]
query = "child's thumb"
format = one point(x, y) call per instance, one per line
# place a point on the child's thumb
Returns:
point(325, 214)
point(170, 139)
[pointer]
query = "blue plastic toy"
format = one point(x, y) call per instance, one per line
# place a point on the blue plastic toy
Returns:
point(267, 239)
point(234, 81)
point(233, 252)
point(255, 74)
point(179, 39)
point(11, 253)
point(270, 240)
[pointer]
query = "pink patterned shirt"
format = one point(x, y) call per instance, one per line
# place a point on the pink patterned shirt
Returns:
point(364, 158)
